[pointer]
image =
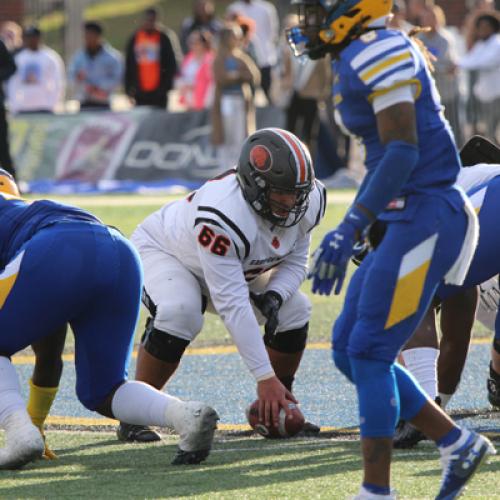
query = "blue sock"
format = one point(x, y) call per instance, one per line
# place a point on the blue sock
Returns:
point(412, 396)
point(377, 490)
point(378, 397)
point(450, 437)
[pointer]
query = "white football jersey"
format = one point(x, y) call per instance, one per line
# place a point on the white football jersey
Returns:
point(471, 177)
point(219, 238)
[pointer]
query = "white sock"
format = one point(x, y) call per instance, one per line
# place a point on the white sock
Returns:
point(138, 403)
point(445, 399)
point(422, 362)
point(10, 391)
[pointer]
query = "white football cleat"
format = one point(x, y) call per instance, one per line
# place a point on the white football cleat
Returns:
point(195, 423)
point(23, 441)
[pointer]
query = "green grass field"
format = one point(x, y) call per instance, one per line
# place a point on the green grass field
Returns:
point(95, 465)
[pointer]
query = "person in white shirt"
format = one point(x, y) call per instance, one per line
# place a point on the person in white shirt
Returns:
point(238, 246)
point(265, 38)
point(38, 84)
point(484, 57)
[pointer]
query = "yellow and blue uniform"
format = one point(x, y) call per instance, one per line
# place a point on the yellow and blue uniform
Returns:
point(391, 290)
point(59, 264)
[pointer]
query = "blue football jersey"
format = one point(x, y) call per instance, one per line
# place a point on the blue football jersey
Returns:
point(20, 220)
point(379, 61)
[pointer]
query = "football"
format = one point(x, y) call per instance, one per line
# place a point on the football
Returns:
point(286, 428)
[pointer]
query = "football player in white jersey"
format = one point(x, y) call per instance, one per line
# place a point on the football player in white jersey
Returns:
point(238, 246)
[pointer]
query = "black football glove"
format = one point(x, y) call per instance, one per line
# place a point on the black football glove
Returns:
point(268, 304)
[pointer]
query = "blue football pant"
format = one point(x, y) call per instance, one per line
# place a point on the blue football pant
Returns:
point(86, 275)
point(386, 299)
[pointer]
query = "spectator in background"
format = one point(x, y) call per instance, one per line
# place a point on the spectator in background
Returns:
point(233, 112)
point(203, 19)
point(195, 81)
point(265, 38)
point(151, 63)
point(308, 82)
point(38, 85)
point(95, 71)
point(247, 26)
point(484, 57)
point(469, 29)
point(440, 44)
point(399, 14)
point(416, 9)
point(12, 36)
point(7, 69)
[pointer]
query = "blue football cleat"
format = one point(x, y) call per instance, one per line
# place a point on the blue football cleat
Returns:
point(459, 465)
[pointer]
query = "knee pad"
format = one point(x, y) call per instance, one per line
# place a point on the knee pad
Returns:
point(163, 345)
point(288, 342)
point(341, 360)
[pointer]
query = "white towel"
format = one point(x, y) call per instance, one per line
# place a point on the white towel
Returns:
point(456, 275)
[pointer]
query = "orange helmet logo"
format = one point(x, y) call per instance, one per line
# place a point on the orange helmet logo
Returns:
point(261, 158)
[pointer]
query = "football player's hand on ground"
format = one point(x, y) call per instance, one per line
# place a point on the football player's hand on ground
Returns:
point(331, 258)
point(268, 304)
point(273, 396)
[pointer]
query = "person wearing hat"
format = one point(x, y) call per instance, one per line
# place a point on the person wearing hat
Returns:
point(38, 84)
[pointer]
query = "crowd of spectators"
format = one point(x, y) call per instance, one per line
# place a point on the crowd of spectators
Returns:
point(224, 64)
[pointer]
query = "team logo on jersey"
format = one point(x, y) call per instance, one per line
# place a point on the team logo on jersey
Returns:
point(275, 243)
point(260, 158)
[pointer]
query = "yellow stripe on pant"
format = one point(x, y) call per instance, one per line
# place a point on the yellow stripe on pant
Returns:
point(8, 278)
point(411, 280)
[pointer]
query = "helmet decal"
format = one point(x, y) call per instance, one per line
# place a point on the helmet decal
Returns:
point(261, 159)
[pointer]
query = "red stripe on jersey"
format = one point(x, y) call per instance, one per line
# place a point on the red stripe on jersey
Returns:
point(300, 155)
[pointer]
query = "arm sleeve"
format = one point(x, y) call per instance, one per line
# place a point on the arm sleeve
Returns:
point(230, 297)
point(481, 57)
point(289, 275)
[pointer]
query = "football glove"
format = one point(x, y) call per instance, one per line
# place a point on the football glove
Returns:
point(268, 304)
point(489, 294)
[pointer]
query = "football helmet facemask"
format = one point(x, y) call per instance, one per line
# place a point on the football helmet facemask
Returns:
point(276, 175)
point(327, 26)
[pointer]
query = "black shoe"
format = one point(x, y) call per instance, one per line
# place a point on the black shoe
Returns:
point(493, 385)
point(189, 457)
point(406, 436)
point(309, 429)
point(136, 433)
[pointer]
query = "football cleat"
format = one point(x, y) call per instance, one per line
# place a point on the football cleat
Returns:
point(136, 433)
point(493, 385)
point(23, 442)
point(407, 435)
point(460, 464)
point(195, 423)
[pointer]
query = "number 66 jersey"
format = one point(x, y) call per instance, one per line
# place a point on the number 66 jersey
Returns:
point(216, 236)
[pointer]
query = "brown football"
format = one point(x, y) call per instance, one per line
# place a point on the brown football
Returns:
point(286, 428)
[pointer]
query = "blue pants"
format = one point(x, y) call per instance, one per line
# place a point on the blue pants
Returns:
point(83, 274)
point(387, 297)
point(486, 261)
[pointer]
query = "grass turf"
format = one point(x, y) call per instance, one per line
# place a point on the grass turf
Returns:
point(96, 465)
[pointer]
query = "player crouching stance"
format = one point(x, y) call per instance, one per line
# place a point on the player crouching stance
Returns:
point(61, 265)
point(244, 234)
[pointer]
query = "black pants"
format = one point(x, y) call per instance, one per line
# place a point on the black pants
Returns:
point(156, 99)
point(301, 118)
point(265, 82)
point(5, 158)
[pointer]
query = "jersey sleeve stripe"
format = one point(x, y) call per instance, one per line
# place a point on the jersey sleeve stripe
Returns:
point(376, 51)
point(401, 74)
point(373, 72)
point(394, 86)
point(226, 220)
